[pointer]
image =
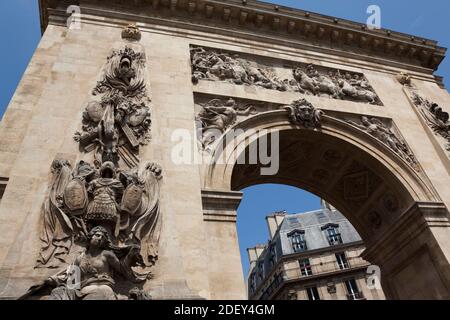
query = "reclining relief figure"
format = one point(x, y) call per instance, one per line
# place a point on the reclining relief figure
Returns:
point(217, 65)
point(93, 273)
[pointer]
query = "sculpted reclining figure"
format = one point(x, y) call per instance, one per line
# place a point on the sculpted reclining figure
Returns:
point(93, 274)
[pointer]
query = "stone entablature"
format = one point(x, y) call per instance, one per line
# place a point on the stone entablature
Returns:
point(255, 18)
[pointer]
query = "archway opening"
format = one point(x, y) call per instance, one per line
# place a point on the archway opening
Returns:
point(337, 172)
point(261, 200)
point(352, 180)
point(295, 246)
point(388, 201)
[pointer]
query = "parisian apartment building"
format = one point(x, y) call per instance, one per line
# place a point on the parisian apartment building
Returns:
point(311, 256)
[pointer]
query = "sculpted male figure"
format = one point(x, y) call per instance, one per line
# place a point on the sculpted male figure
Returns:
point(217, 116)
point(92, 275)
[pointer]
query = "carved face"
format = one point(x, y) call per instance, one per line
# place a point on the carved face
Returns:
point(230, 103)
point(98, 239)
point(365, 121)
point(305, 113)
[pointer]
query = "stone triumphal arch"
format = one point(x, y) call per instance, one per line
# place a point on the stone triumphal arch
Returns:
point(88, 154)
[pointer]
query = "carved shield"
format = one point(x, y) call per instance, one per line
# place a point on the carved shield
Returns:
point(138, 117)
point(95, 111)
point(75, 196)
point(132, 199)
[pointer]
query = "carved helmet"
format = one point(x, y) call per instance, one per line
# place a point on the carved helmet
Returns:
point(108, 169)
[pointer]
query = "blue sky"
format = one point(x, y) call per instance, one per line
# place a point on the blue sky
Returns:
point(19, 23)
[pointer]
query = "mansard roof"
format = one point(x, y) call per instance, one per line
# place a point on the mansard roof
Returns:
point(311, 224)
point(264, 22)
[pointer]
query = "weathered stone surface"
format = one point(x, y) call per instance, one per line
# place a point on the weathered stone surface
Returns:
point(198, 248)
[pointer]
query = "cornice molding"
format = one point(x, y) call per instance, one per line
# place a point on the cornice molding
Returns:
point(273, 21)
point(220, 206)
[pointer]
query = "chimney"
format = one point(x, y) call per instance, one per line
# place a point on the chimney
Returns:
point(274, 221)
point(326, 206)
point(259, 249)
point(254, 253)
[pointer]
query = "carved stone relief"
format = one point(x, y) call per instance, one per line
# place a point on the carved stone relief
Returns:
point(321, 176)
point(435, 117)
point(303, 113)
point(117, 120)
point(103, 220)
point(356, 186)
point(357, 183)
point(332, 157)
point(331, 287)
point(404, 79)
point(216, 65)
point(215, 116)
point(131, 33)
point(388, 136)
point(374, 219)
point(390, 203)
point(300, 151)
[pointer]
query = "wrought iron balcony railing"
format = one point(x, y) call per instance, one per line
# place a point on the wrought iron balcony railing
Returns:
point(284, 274)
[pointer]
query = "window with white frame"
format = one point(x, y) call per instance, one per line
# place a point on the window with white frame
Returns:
point(305, 267)
point(298, 240)
point(332, 233)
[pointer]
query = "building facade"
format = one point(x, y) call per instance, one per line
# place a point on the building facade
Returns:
point(97, 130)
point(311, 256)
